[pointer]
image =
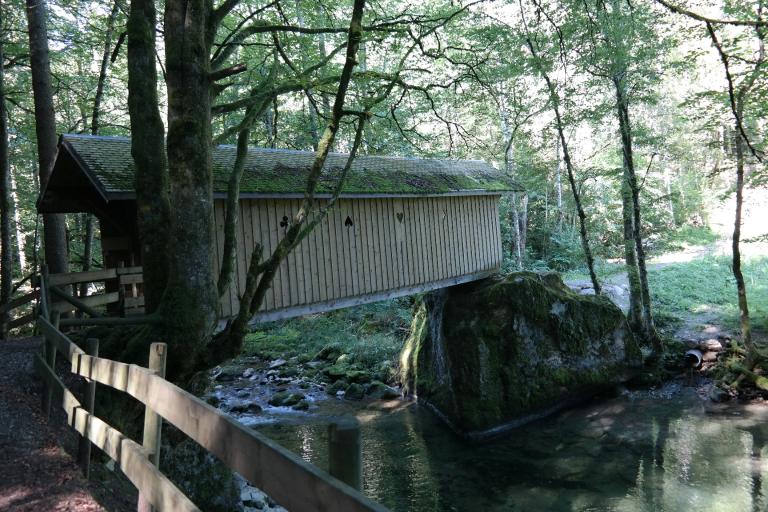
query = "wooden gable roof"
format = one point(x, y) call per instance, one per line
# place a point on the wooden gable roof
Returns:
point(106, 163)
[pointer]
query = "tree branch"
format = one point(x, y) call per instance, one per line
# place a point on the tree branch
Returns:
point(714, 21)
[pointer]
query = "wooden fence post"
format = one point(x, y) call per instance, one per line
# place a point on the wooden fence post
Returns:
point(345, 452)
point(50, 359)
point(84, 446)
point(152, 421)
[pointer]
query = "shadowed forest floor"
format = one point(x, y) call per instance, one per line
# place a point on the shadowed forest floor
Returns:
point(37, 472)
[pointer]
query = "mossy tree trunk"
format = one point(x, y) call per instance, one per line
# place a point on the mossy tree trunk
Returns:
point(741, 287)
point(189, 308)
point(635, 313)
point(55, 236)
point(148, 150)
point(631, 202)
point(738, 96)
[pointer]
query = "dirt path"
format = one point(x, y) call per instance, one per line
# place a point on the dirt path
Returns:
point(36, 473)
point(694, 327)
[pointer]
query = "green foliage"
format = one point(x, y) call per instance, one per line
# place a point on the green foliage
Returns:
point(706, 285)
point(370, 335)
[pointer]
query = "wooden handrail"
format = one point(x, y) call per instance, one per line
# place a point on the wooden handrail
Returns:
point(79, 303)
point(132, 457)
point(290, 481)
point(68, 278)
point(109, 320)
point(20, 301)
point(59, 339)
point(284, 476)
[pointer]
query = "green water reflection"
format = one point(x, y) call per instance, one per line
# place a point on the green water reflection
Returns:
point(627, 454)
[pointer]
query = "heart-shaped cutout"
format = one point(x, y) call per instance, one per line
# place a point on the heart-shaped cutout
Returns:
point(399, 216)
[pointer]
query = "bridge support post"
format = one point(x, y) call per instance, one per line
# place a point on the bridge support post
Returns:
point(153, 421)
point(84, 446)
point(345, 452)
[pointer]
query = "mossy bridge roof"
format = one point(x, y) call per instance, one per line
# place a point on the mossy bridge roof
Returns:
point(278, 172)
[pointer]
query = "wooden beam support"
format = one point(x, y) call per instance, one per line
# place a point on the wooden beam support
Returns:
point(109, 320)
point(345, 452)
point(83, 304)
point(81, 277)
point(152, 421)
point(20, 301)
point(28, 318)
point(50, 359)
point(58, 339)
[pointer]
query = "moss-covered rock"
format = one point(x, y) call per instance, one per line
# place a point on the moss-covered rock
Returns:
point(379, 390)
point(355, 391)
point(358, 376)
point(339, 385)
point(285, 399)
point(492, 354)
point(336, 372)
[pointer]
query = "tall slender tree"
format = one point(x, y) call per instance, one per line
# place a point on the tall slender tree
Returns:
point(554, 98)
point(54, 225)
point(95, 126)
point(6, 249)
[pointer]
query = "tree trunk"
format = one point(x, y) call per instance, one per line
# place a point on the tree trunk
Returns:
point(95, 116)
point(20, 240)
point(555, 98)
point(635, 313)
point(148, 151)
point(518, 245)
point(559, 187)
point(269, 126)
point(625, 128)
point(314, 132)
point(6, 250)
point(523, 222)
point(54, 227)
point(101, 83)
point(190, 304)
point(517, 238)
point(741, 287)
point(232, 215)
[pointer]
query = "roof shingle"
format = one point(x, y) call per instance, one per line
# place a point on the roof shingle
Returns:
point(278, 171)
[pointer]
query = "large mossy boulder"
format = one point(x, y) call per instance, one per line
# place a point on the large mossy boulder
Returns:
point(490, 355)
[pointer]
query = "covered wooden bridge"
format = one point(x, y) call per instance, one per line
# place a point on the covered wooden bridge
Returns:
point(401, 226)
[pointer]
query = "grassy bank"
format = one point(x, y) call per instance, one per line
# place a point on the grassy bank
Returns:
point(705, 286)
point(370, 335)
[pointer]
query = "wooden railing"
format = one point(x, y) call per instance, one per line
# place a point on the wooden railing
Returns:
point(121, 287)
point(116, 287)
point(17, 303)
point(285, 477)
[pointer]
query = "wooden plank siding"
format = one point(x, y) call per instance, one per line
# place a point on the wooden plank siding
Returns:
point(394, 246)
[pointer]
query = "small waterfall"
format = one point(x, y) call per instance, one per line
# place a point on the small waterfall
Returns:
point(435, 303)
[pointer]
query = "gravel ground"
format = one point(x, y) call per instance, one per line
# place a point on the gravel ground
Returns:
point(37, 473)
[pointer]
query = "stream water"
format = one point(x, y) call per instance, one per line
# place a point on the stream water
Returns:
point(658, 450)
